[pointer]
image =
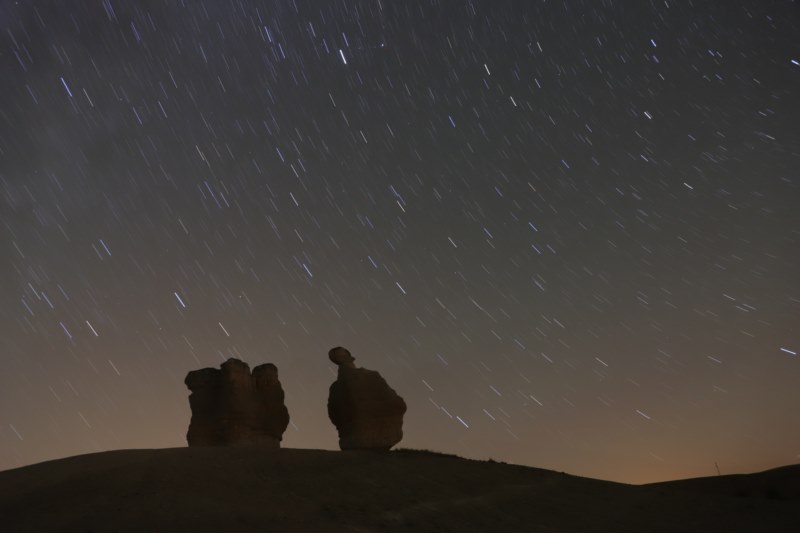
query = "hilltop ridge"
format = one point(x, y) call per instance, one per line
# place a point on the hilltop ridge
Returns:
point(253, 489)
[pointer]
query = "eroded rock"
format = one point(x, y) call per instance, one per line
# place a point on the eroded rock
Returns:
point(233, 407)
point(367, 412)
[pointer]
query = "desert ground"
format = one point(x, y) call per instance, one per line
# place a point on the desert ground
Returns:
point(230, 489)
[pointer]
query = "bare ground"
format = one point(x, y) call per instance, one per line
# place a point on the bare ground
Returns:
point(251, 489)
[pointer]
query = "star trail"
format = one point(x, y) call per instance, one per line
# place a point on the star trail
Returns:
point(566, 232)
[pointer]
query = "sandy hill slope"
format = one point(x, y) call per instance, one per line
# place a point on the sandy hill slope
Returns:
point(251, 489)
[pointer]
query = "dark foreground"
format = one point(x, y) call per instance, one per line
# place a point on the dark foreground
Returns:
point(249, 489)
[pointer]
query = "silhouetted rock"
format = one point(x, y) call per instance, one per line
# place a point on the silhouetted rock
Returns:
point(231, 406)
point(367, 412)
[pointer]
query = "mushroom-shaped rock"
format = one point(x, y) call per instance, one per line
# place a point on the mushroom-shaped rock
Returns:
point(233, 407)
point(367, 412)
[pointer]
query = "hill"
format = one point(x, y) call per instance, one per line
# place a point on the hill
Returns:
point(251, 489)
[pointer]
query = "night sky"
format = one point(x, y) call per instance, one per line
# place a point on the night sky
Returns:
point(566, 232)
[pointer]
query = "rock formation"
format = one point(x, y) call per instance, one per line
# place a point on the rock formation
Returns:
point(367, 412)
point(233, 407)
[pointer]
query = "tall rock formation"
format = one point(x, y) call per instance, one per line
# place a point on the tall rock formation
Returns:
point(367, 412)
point(230, 406)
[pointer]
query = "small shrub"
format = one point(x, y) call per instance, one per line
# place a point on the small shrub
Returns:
point(422, 452)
